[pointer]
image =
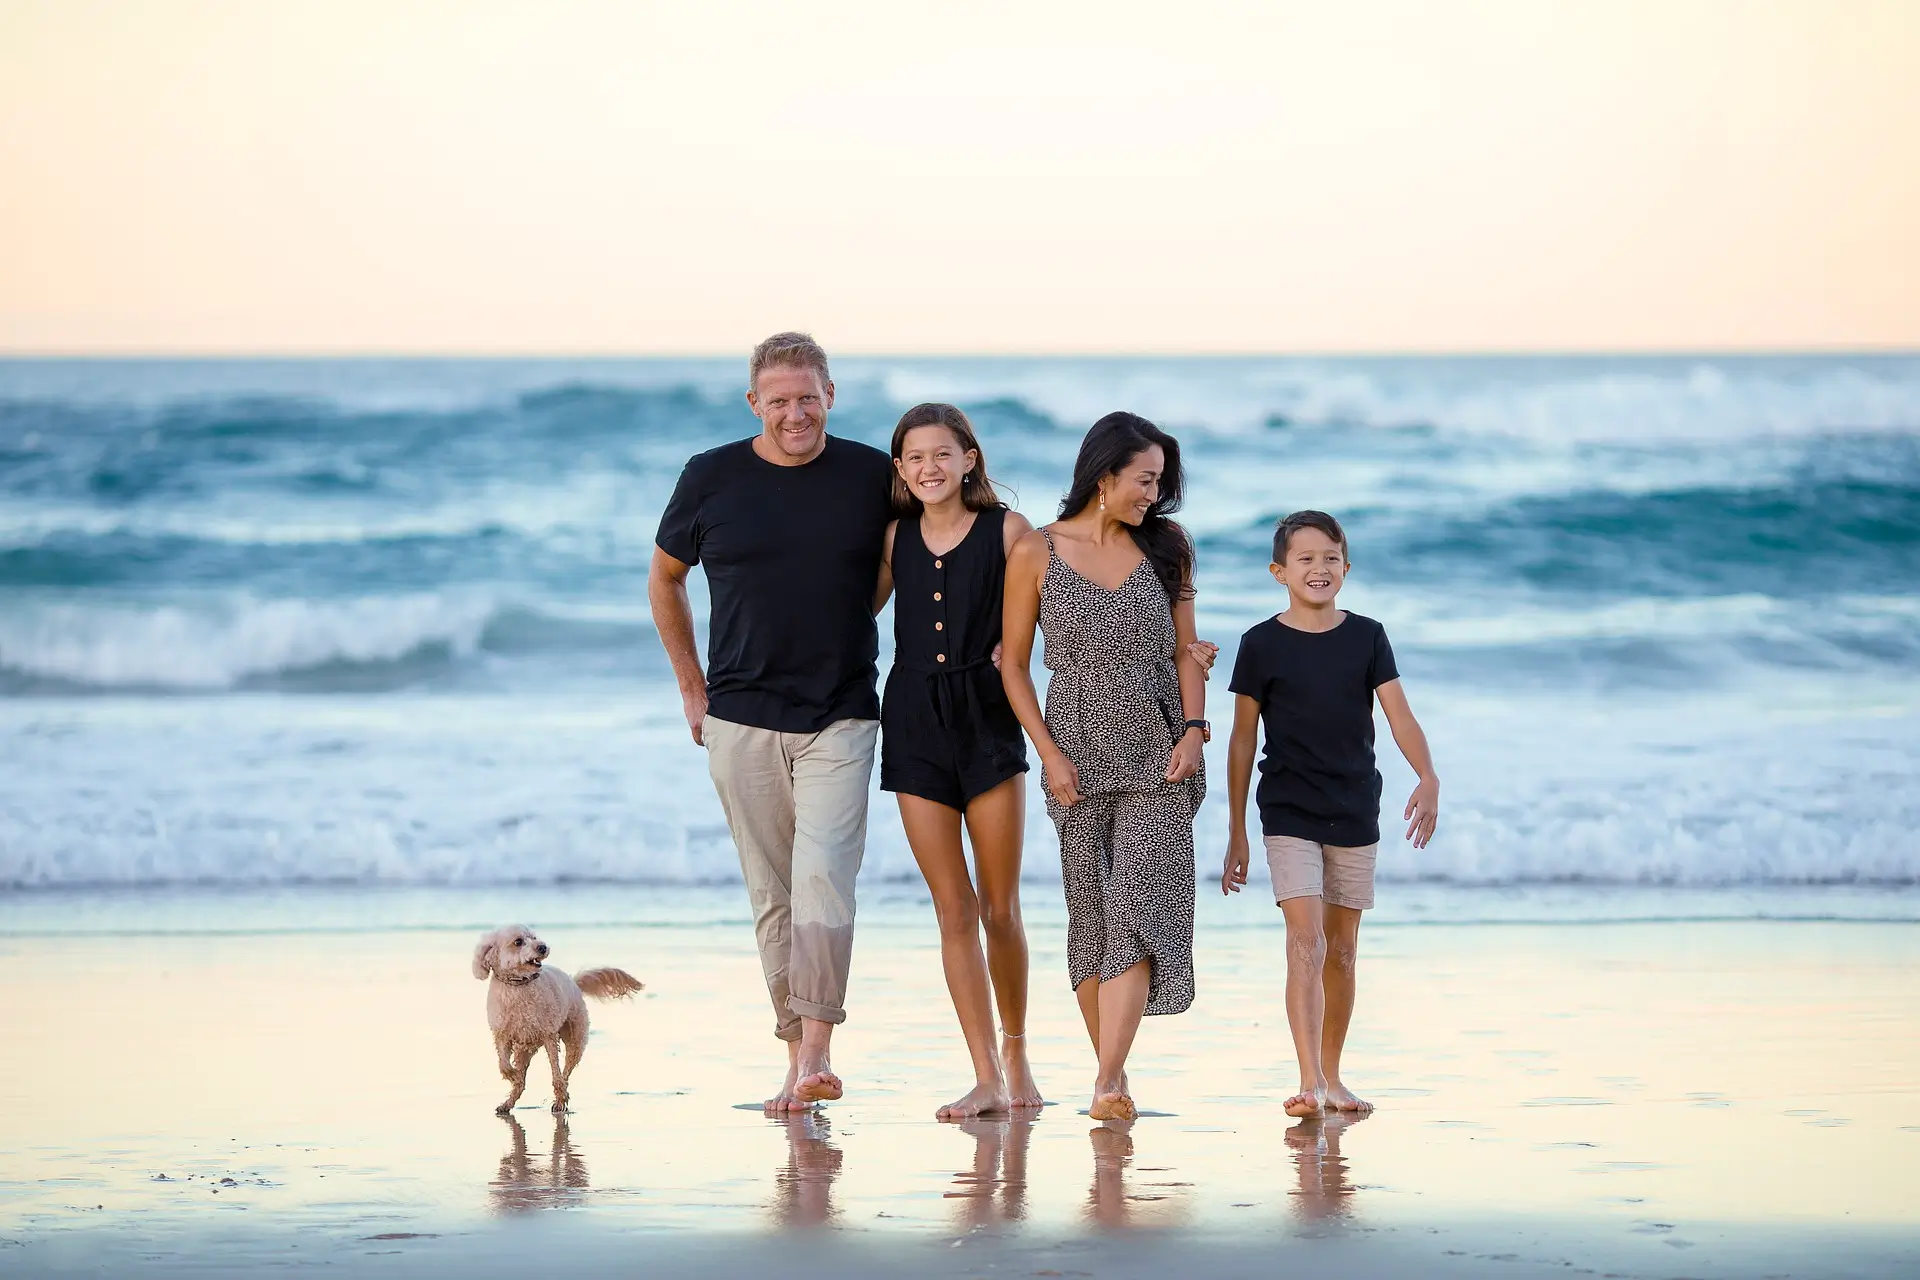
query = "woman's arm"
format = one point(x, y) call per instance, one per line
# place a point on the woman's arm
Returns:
point(1019, 615)
point(1193, 693)
point(884, 587)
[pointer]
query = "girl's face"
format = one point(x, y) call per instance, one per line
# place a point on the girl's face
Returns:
point(933, 464)
point(1131, 491)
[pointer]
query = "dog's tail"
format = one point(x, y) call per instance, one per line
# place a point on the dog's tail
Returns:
point(607, 984)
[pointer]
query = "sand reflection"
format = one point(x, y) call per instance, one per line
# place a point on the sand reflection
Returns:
point(803, 1187)
point(1127, 1194)
point(993, 1190)
point(1325, 1193)
point(527, 1182)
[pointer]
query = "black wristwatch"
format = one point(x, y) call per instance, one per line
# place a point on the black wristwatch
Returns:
point(1206, 730)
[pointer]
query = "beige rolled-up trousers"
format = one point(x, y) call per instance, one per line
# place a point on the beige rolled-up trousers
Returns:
point(796, 805)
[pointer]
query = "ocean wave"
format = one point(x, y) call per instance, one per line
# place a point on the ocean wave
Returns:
point(361, 644)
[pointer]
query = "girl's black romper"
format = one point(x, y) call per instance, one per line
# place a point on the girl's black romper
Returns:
point(947, 732)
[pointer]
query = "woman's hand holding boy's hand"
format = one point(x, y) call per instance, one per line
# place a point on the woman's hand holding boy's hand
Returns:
point(1233, 871)
point(1061, 776)
point(1186, 757)
point(1423, 812)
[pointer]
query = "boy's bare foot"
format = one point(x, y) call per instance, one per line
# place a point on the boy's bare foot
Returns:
point(989, 1098)
point(1307, 1102)
point(815, 1083)
point(1341, 1098)
point(1021, 1090)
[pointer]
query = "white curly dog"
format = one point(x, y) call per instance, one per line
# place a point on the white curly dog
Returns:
point(533, 1007)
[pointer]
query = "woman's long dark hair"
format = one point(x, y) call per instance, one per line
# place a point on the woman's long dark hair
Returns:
point(1110, 445)
point(976, 490)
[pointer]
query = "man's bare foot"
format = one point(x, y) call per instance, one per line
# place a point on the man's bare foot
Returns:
point(785, 1100)
point(815, 1083)
point(987, 1098)
point(1307, 1102)
point(1022, 1092)
point(1341, 1098)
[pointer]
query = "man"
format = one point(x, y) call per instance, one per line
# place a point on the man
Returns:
point(789, 525)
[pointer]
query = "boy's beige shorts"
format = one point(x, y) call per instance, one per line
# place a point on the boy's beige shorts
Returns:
point(1333, 873)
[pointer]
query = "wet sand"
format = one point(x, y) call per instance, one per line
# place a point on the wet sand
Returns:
point(1670, 1099)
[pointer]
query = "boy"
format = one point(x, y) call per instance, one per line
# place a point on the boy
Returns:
point(1311, 675)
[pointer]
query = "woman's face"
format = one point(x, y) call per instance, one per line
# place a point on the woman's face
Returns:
point(933, 464)
point(1133, 489)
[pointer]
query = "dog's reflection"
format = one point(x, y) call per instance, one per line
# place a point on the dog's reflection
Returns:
point(994, 1189)
point(803, 1187)
point(527, 1182)
point(1325, 1192)
point(1121, 1198)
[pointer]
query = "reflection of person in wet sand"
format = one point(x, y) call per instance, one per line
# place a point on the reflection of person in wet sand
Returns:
point(1110, 1202)
point(1325, 1181)
point(526, 1183)
point(994, 1190)
point(803, 1187)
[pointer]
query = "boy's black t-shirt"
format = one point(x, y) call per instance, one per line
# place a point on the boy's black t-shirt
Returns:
point(792, 557)
point(1315, 690)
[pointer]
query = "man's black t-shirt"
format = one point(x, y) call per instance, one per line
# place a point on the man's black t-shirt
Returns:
point(792, 556)
point(1315, 690)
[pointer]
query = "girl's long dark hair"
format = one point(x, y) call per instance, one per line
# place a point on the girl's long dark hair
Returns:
point(1110, 445)
point(976, 491)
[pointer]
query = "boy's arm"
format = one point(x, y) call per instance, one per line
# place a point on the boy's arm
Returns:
point(1240, 751)
point(1423, 806)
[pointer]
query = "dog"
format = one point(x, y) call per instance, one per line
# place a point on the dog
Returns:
point(531, 1007)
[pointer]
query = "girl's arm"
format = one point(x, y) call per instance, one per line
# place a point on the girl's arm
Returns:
point(1240, 752)
point(1019, 615)
point(1193, 694)
point(1423, 806)
point(884, 587)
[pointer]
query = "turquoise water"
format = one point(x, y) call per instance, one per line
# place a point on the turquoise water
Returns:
point(384, 622)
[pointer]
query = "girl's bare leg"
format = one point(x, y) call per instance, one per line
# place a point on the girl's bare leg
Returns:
point(996, 824)
point(933, 832)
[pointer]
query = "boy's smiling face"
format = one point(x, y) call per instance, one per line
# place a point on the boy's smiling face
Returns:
point(1314, 568)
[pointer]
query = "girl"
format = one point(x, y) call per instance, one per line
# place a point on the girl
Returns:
point(950, 745)
point(1111, 586)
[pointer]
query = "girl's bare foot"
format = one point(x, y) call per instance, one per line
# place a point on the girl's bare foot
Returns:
point(986, 1098)
point(1021, 1090)
point(1341, 1098)
point(1307, 1102)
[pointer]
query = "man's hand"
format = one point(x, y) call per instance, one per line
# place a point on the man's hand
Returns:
point(1233, 871)
point(1423, 812)
point(694, 702)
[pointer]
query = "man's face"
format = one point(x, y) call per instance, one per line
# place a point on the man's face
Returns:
point(792, 405)
point(1314, 569)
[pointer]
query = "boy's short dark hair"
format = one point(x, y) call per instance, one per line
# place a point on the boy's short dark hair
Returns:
point(1307, 520)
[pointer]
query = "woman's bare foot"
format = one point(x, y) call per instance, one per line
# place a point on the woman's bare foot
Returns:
point(989, 1097)
point(1021, 1090)
point(1111, 1102)
point(1341, 1098)
point(1307, 1102)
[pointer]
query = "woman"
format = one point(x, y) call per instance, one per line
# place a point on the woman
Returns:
point(950, 745)
point(1111, 586)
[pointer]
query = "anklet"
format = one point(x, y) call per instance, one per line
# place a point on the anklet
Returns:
point(1013, 1035)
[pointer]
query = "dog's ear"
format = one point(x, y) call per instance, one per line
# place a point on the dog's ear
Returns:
point(483, 957)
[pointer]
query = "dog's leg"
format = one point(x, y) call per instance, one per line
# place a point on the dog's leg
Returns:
point(559, 1075)
point(573, 1034)
point(517, 1073)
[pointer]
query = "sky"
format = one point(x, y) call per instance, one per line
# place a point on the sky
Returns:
point(564, 176)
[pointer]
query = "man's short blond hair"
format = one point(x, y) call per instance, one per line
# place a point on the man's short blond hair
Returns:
point(789, 351)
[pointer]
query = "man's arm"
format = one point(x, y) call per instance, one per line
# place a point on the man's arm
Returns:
point(1423, 806)
point(673, 619)
point(1240, 752)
